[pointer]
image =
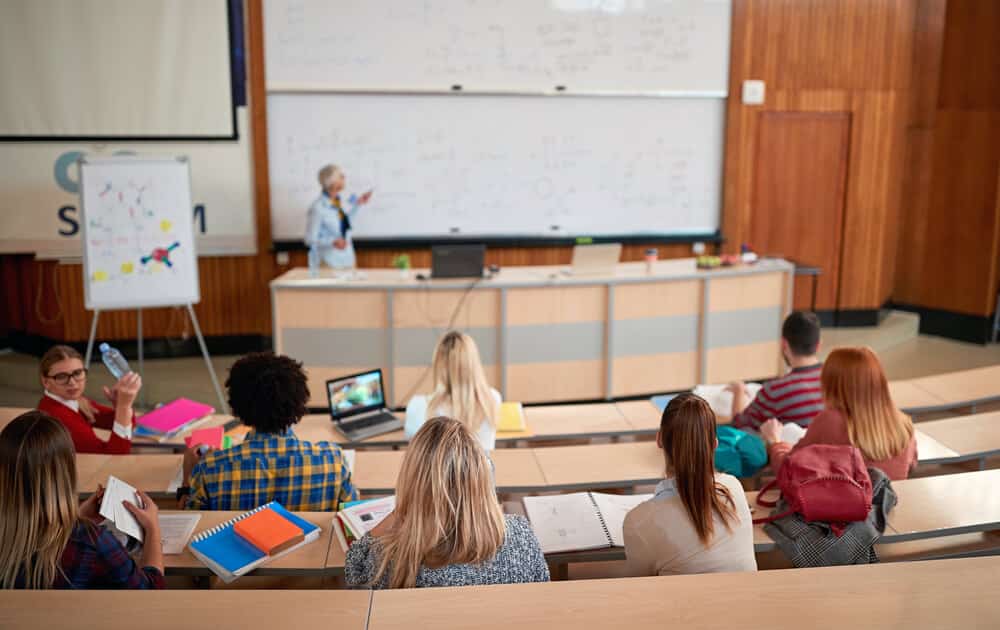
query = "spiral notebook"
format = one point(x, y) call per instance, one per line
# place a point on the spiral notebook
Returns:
point(230, 556)
point(580, 521)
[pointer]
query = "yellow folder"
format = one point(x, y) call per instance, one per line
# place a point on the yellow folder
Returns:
point(511, 418)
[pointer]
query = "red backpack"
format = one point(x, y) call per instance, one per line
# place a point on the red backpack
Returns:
point(823, 482)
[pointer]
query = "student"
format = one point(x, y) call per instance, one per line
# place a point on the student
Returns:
point(268, 393)
point(698, 521)
point(447, 528)
point(860, 412)
point(64, 378)
point(47, 539)
point(794, 397)
point(460, 391)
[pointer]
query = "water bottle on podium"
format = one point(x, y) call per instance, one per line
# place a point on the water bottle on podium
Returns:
point(114, 361)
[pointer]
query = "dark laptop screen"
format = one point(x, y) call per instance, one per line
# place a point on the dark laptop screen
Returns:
point(457, 261)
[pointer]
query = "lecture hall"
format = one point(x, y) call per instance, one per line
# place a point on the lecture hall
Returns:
point(500, 313)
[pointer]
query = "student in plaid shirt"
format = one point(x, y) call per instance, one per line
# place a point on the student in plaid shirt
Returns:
point(47, 539)
point(268, 393)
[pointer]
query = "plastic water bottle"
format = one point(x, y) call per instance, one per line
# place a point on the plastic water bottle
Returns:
point(114, 361)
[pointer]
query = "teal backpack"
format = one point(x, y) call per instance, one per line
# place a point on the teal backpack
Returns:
point(739, 453)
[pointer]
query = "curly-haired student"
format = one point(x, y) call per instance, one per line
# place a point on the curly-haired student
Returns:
point(268, 393)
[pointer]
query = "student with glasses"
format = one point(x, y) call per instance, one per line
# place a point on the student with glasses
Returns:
point(64, 379)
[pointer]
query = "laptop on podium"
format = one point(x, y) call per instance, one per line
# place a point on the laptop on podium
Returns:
point(357, 405)
point(595, 260)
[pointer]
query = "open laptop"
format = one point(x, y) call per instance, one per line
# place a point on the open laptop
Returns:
point(357, 405)
point(457, 261)
point(594, 260)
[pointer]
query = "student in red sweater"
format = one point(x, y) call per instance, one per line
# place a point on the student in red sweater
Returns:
point(64, 378)
point(859, 412)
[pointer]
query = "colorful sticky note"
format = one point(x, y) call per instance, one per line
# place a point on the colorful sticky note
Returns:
point(166, 225)
point(128, 267)
point(100, 276)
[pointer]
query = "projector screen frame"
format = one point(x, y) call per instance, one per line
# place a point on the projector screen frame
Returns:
point(234, 11)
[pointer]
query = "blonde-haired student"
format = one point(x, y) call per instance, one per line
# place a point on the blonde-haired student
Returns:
point(460, 391)
point(48, 539)
point(699, 520)
point(447, 528)
point(859, 412)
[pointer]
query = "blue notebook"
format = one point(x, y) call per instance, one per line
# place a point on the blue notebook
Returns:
point(229, 556)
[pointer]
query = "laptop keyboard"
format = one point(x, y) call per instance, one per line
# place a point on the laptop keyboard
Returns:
point(369, 421)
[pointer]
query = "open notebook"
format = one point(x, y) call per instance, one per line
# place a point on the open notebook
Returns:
point(229, 556)
point(580, 521)
point(721, 400)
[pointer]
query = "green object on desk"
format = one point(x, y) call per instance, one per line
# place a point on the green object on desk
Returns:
point(227, 441)
point(584, 240)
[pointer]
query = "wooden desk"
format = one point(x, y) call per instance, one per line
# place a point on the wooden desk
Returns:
point(150, 473)
point(543, 336)
point(309, 560)
point(930, 450)
point(171, 610)
point(910, 397)
point(912, 596)
point(971, 437)
point(375, 472)
point(600, 465)
point(9, 413)
point(947, 505)
point(569, 421)
point(965, 387)
point(641, 415)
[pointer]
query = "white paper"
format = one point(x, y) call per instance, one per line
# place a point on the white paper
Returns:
point(176, 530)
point(791, 433)
point(113, 510)
point(176, 482)
point(613, 508)
point(349, 456)
point(721, 400)
point(565, 522)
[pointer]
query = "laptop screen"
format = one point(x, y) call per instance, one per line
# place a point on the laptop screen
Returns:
point(355, 394)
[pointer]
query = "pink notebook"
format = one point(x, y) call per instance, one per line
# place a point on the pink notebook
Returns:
point(174, 415)
point(210, 437)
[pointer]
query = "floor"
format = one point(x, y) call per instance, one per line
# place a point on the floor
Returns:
point(904, 353)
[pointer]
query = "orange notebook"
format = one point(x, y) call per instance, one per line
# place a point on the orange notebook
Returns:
point(269, 531)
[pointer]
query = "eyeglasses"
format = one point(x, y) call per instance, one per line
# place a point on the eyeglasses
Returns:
point(63, 377)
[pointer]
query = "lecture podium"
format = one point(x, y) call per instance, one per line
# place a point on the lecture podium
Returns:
point(544, 335)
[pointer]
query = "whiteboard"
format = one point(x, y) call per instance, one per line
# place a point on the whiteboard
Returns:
point(138, 238)
point(635, 46)
point(496, 166)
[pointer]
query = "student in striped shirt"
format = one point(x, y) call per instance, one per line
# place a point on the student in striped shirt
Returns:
point(796, 396)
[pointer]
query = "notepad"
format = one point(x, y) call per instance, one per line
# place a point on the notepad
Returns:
point(112, 509)
point(229, 556)
point(269, 531)
point(172, 417)
point(580, 521)
point(511, 418)
point(363, 516)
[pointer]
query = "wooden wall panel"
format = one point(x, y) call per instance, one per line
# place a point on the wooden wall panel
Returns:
point(950, 250)
point(801, 192)
point(853, 57)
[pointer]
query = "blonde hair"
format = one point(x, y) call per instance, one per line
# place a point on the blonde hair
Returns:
point(38, 501)
point(446, 506)
point(854, 384)
point(460, 383)
point(327, 173)
point(54, 355)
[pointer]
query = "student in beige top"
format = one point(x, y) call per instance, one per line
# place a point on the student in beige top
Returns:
point(699, 520)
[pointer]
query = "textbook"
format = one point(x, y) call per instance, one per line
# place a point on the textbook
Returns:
point(511, 418)
point(580, 521)
point(269, 531)
point(167, 420)
point(229, 555)
point(357, 518)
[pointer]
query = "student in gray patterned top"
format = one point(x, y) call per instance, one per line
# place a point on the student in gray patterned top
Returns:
point(447, 528)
